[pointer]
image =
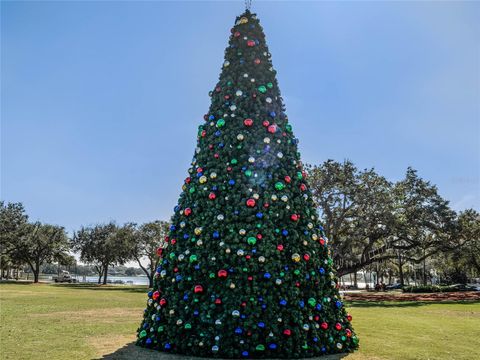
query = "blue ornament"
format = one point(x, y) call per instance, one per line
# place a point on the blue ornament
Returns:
point(150, 293)
point(178, 277)
point(186, 236)
point(321, 270)
point(221, 145)
point(238, 331)
point(172, 227)
point(338, 304)
point(185, 297)
point(216, 235)
point(301, 303)
point(318, 307)
point(149, 341)
point(273, 114)
point(168, 346)
point(231, 182)
point(283, 302)
point(218, 133)
point(315, 339)
point(197, 266)
point(195, 313)
point(211, 117)
point(272, 346)
point(245, 353)
point(284, 232)
point(261, 324)
point(259, 215)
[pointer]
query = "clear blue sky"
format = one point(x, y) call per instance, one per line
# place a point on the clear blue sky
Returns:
point(101, 100)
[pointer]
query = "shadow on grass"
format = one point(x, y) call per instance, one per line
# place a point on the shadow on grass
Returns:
point(131, 351)
point(17, 282)
point(124, 288)
point(403, 304)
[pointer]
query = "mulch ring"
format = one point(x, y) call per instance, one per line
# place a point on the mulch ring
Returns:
point(396, 296)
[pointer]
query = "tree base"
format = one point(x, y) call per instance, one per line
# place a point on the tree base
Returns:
point(147, 354)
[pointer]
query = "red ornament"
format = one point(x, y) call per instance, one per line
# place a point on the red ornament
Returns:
point(226, 97)
point(259, 236)
point(198, 289)
point(216, 156)
point(324, 325)
point(199, 170)
point(250, 43)
point(155, 295)
point(188, 180)
point(306, 257)
point(159, 251)
point(187, 211)
point(163, 302)
point(210, 146)
point(294, 217)
point(272, 129)
point(322, 241)
point(349, 317)
point(250, 278)
point(236, 34)
point(266, 123)
point(248, 257)
point(266, 205)
point(212, 196)
point(288, 179)
point(248, 122)
point(218, 89)
point(316, 318)
point(349, 332)
point(218, 301)
point(287, 332)
point(338, 326)
point(222, 273)
point(280, 247)
point(303, 187)
point(257, 61)
point(229, 168)
point(251, 202)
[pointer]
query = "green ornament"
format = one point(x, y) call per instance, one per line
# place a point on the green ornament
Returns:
point(252, 240)
point(279, 186)
point(188, 326)
point(172, 255)
point(193, 258)
point(248, 173)
point(288, 128)
point(260, 347)
point(234, 161)
point(262, 89)
point(299, 175)
point(312, 302)
point(270, 85)
point(211, 275)
point(160, 328)
point(142, 334)
point(191, 190)
point(297, 272)
point(220, 123)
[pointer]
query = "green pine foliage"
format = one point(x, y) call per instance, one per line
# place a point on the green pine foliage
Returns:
point(247, 271)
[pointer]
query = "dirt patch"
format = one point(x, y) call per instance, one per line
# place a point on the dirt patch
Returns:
point(395, 296)
point(105, 345)
point(104, 315)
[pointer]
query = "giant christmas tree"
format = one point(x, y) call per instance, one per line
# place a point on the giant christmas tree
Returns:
point(247, 272)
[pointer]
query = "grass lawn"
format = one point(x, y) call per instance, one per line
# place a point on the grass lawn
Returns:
point(91, 322)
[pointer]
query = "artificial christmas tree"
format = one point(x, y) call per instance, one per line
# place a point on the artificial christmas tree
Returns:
point(246, 273)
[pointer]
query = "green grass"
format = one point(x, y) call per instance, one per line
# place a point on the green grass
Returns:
point(85, 322)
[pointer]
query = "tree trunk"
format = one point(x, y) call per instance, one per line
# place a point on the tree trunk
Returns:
point(105, 274)
point(400, 269)
point(424, 270)
point(355, 280)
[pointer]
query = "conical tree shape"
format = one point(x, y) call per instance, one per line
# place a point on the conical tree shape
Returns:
point(246, 273)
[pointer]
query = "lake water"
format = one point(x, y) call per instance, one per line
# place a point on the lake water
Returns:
point(129, 280)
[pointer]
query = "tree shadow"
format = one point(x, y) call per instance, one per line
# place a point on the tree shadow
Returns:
point(131, 351)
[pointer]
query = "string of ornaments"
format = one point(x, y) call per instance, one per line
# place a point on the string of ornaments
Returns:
point(247, 272)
